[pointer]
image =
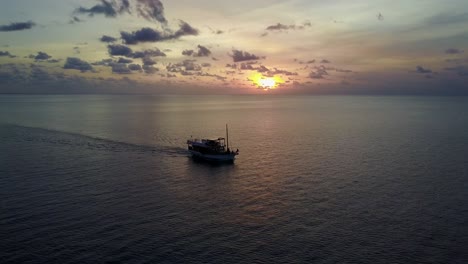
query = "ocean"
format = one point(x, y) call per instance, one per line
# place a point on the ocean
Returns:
point(319, 179)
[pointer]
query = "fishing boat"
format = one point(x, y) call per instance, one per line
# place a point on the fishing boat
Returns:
point(216, 150)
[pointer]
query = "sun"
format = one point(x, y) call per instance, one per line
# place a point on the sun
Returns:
point(266, 82)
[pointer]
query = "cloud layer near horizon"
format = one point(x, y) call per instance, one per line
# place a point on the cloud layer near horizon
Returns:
point(334, 45)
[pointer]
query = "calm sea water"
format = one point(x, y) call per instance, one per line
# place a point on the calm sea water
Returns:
point(319, 179)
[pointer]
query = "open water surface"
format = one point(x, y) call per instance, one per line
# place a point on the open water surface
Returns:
point(319, 179)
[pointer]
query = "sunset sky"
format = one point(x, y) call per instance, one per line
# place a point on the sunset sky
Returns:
point(232, 47)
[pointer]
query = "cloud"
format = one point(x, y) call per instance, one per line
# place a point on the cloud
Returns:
point(107, 39)
point(325, 61)
point(151, 10)
point(77, 64)
point(262, 69)
point(280, 27)
point(134, 67)
point(119, 50)
point(17, 26)
point(453, 51)
point(202, 52)
point(420, 69)
point(151, 35)
point(107, 8)
point(6, 54)
point(74, 20)
point(42, 56)
point(319, 73)
point(148, 53)
point(245, 66)
point(239, 55)
point(123, 60)
point(184, 66)
point(104, 62)
point(120, 68)
point(187, 52)
point(149, 69)
point(142, 35)
point(284, 72)
point(148, 61)
point(185, 30)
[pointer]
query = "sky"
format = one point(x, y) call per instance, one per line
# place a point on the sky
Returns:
point(234, 47)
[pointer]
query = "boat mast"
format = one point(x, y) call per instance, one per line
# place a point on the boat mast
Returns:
point(227, 136)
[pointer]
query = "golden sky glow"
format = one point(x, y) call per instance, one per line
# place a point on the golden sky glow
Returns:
point(294, 46)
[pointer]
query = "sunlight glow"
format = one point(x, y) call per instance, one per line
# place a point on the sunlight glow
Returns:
point(265, 82)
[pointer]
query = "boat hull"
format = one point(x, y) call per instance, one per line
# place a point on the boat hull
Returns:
point(213, 158)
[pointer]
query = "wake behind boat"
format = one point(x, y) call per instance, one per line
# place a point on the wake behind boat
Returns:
point(212, 149)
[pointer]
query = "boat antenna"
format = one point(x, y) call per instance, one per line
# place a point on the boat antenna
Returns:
point(227, 136)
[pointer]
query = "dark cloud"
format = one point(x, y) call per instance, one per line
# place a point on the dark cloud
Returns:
point(120, 68)
point(152, 35)
point(17, 26)
point(77, 64)
point(119, 50)
point(6, 54)
point(262, 69)
point(134, 67)
point(325, 61)
point(185, 30)
point(107, 39)
point(205, 65)
point(104, 62)
point(239, 55)
point(246, 66)
point(283, 72)
point(74, 20)
point(123, 60)
point(202, 52)
point(453, 51)
point(149, 69)
point(151, 10)
point(232, 66)
point(184, 66)
point(319, 73)
point(187, 52)
point(148, 61)
point(147, 53)
point(53, 61)
point(420, 69)
point(216, 31)
point(280, 27)
point(42, 56)
point(142, 35)
point(109, 8)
